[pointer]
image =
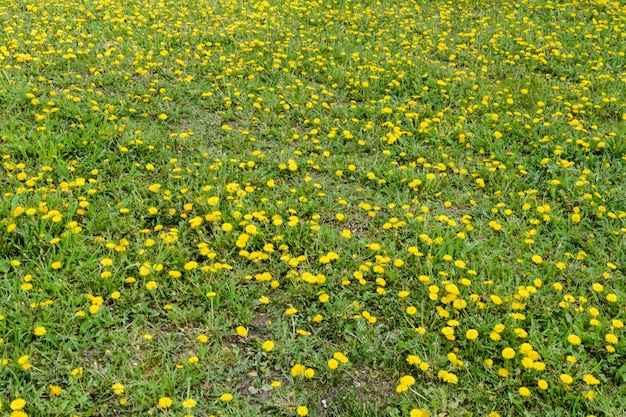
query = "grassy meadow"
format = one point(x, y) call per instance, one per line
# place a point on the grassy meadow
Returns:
point(325, 208)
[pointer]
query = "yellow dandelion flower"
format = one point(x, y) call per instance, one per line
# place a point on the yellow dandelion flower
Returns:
point(407, 380)
point(574, 339)
point(471, 334)
point(191, 265)
point(591, 380)
point(118, 388)
point(242, 331)
point(508, 353)
point(17, 404)
point(297, 370)
point(165, 402)
point(189, 403)
point(55, 390)
point(226, 397)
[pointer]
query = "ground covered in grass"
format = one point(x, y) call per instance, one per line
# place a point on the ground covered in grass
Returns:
point(331, 207)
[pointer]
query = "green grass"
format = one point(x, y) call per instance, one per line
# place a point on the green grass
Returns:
point(184, 182)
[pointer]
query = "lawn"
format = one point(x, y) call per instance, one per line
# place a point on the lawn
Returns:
point(325, 208)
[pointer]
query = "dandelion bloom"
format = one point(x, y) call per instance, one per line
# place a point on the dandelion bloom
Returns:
point(297, 370)
point(413, 360)
point(189, 403)
point(242, 331)
point(190, 265)
point(17, 404)
point(226, 397)
point(407, 380)
point(165, 402)
point(471, 334)
point(401, 388)
point(106, 262)
point(118, 388)
point(508, 353)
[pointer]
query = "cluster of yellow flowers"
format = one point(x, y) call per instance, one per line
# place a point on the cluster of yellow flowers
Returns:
point(210, 196)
